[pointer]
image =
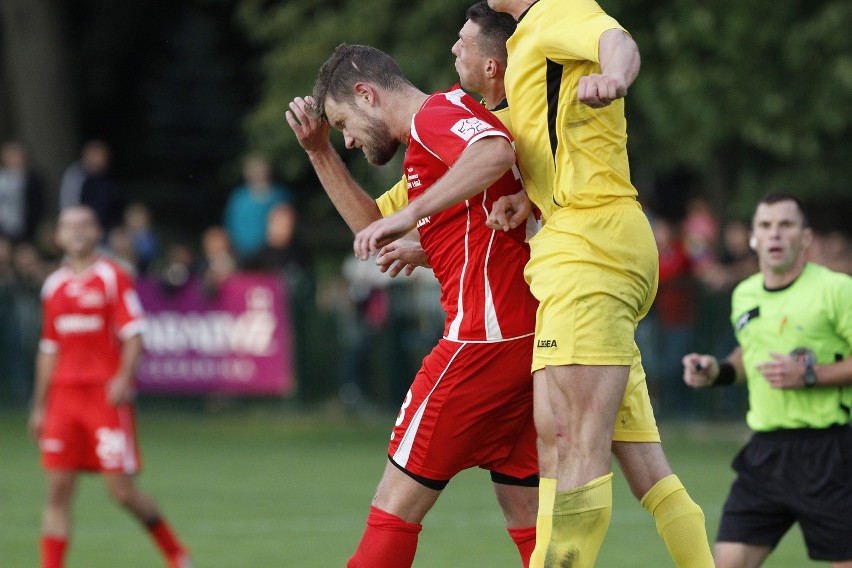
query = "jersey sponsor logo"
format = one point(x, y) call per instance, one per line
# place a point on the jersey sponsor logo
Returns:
point(423, 221)
point(91, 299)
point(546, 344)
point(79, 323)
point(467, 128)
point(743, 320)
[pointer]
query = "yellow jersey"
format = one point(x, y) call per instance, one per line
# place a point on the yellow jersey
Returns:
point(570, 155)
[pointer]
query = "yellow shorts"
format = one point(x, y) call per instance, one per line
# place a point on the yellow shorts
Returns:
point(594, 272)
point(635, 421)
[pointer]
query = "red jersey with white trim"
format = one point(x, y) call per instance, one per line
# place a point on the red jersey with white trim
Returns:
point(85, 318)
point(480, 270)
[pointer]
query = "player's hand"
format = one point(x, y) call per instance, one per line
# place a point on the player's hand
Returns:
point(699, 371)
point(35, 424)
point(120, 391)
point(598, 91)
point(311, 132)
point(783, 371)
point(382, 232)
point(401, 255)
point(509, 211)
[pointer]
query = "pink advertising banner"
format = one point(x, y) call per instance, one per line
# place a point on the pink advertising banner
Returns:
point(235, 341)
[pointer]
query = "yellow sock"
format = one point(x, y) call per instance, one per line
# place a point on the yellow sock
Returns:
point(544, 520)
point(580, 521)
point(680, 522)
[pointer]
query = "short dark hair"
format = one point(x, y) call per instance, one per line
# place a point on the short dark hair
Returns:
point(776, 196)
point(494, 29)
point(350, 64)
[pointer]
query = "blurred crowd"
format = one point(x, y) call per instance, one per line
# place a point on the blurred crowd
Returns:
point(381, 327)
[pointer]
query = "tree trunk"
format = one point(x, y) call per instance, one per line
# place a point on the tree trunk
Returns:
point(38, 87)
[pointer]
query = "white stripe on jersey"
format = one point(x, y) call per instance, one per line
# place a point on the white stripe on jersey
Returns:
point(107, 274)
point(403, 452)
point(492, 325)
point(453, 330)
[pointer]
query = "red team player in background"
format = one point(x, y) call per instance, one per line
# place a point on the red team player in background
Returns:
point(82, 414)
point(471, 402)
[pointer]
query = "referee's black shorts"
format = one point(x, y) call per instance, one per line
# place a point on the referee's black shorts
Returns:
point(789, 476)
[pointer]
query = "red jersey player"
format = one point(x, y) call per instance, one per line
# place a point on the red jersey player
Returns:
point(82, 415)
point(471, 402)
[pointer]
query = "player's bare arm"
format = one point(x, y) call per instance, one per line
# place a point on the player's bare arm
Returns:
point(45, 364)
point(620, 61)
point(356, 207)
point(700, 371)
point(121, 388)
point(480, 165)
point(510, 211)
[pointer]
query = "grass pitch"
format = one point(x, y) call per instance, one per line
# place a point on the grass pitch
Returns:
point(282, 488)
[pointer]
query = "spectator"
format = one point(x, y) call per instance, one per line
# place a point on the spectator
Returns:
point(700, 231)
point(832, 250)
point(281, 250)
point(21, 194)
point(673, 313)
point(120, 249)
point(87, 182)
point(736, 262)
point(249, 205)
point(143, 239)
point(217, 257)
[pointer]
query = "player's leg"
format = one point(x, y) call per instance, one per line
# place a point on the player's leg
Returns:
point(679, 520)
point(740, 555)
point(56, 518)
point(636, 445)
point(518, 498)
point(123, 491)
point(393, 525)
point(585, 401)
point(545, 426)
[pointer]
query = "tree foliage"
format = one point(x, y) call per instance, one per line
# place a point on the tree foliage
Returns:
point(745, 96)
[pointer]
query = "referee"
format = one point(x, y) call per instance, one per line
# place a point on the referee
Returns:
point(793, 322)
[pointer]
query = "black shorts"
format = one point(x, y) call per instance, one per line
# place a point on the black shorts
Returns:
point(790, 476)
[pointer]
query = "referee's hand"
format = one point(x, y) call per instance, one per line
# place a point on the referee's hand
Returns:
point(700, 371)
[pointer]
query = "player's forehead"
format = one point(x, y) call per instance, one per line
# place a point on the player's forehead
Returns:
point(469, 32)
point(776, 212)
point(76, 216)
point(338, 113)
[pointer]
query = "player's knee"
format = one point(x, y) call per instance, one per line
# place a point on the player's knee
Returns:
point(122, 494)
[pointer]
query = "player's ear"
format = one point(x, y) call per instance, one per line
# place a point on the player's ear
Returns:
point(365, 92)
point(491, 68)
point(752, 243)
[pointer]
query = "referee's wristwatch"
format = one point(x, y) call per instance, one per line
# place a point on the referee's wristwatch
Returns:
point(807, 357)
point(810, 374)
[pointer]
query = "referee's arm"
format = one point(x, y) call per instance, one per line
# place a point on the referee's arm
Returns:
point(700, 371)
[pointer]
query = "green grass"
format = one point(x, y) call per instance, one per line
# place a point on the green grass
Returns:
point(284, 489)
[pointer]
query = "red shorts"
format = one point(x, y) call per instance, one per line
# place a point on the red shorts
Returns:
point(471, 404)
point(82, 431)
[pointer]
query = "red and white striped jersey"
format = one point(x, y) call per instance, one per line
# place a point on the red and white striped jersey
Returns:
point(85, 318)
point(480, 270)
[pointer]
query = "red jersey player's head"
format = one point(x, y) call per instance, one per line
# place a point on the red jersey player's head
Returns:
point(78, 232)
point(362, 92)
point(481, 50)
